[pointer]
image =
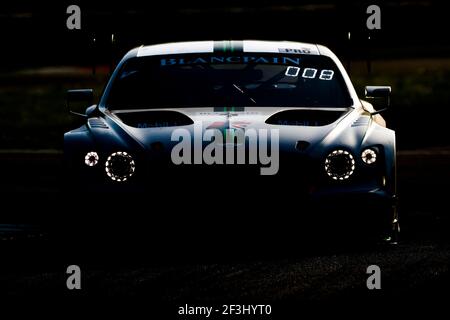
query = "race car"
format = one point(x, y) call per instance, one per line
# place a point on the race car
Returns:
point(248, 111)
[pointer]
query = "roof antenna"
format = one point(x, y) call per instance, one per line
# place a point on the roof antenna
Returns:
point(112, 57)
point(369, 55)
point(349, 59)
point(94, 60)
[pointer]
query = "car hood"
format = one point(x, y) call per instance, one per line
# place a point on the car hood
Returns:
point(313, 128)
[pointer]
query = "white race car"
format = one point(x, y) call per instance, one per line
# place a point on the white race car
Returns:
point(334, 146)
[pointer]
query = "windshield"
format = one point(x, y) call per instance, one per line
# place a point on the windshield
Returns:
point(209, 80)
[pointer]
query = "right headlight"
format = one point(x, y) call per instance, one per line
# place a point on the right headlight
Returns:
point(369, 156)
point(339, 164)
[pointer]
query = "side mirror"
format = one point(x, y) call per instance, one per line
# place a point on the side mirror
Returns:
point(373, 92)
point(83, 98)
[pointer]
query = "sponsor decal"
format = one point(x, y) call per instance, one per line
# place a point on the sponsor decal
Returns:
point(234, 59)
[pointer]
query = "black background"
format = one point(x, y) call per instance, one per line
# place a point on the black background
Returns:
point(33, 35)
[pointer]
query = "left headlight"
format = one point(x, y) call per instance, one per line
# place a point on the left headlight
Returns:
point(120, 166)
point(339, 165)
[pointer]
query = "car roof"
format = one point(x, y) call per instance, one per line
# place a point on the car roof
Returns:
point(229, 46)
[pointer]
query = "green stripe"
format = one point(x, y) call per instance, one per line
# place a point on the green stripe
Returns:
point(228, 46)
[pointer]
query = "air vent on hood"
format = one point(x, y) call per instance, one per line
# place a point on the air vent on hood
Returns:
point(309, 118)
point(361, 121)
point(97, 123)
point(153, 119)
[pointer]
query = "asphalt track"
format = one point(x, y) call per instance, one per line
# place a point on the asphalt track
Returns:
point(417, 269)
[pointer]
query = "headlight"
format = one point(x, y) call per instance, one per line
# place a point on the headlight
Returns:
point(91, 159)
point(339, 165)
point(120, 166)
point(369, 156)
